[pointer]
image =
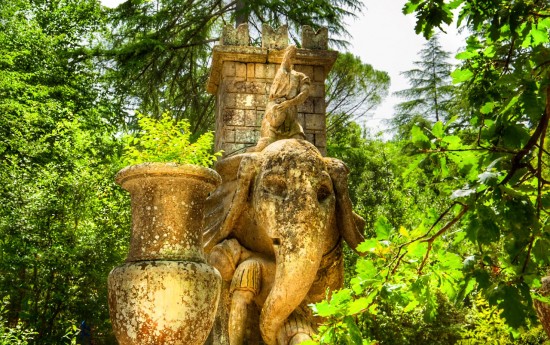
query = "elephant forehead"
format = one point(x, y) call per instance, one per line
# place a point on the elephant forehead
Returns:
point(285, 156)
point(292, 146)
point(293, 166)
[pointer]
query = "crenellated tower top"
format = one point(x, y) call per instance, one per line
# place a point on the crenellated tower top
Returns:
point(241, 76)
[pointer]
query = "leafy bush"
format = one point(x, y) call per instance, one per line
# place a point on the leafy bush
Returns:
point(406, 294)
point(13, 335)
point(485, 325)
point(164, 140)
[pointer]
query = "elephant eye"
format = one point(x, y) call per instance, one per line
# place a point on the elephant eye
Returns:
point(275, 186)
point(323, 193)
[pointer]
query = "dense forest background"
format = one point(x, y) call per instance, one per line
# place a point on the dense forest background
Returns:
point(457, 202)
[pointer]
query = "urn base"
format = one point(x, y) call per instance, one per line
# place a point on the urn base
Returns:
point(163, 302)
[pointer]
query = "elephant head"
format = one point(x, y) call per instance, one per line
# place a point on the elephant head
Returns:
point(291, 204)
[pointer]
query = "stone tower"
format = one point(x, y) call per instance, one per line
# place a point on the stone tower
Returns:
point(241, 76)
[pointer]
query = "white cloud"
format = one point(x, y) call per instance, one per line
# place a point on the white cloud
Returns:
point(112, 3)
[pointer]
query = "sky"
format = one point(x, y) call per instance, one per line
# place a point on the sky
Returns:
point(384, 37)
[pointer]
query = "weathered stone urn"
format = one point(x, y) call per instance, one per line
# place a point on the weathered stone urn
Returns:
point(165, 293)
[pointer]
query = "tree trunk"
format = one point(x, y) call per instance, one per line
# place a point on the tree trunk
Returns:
point(543, 309)
point(16, 301)
point(240, 17)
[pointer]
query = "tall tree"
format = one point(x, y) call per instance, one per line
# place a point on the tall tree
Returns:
point(161, 48)
point(354, 89)
point(431, 89)
point(63, 222)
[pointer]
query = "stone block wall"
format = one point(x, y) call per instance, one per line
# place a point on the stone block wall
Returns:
point(241, 77)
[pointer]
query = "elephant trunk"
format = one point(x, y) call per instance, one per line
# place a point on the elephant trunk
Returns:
point(296, 269)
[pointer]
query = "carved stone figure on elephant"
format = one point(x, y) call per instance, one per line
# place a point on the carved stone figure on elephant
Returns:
point(274, 229)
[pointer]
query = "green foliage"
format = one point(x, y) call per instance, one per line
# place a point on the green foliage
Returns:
point(161, 48)
point(380, 288)
point(491, 171)
point(500, 156)
point(63, 221)
point(163, 140)
point(14, 335)
point(485, 325)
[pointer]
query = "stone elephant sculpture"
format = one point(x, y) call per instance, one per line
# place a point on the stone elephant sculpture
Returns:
point(274, 230)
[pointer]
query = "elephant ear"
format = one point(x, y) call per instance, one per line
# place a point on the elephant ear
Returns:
point(228, 201)
point(350, 225)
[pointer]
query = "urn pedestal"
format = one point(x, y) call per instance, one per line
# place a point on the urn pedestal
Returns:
point(165, 293)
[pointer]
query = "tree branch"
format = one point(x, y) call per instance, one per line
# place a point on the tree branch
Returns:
point(398, 257)
point(439, 233)
point(540, 130)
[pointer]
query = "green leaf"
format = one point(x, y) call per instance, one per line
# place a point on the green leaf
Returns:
point(418, 136)
point(541, 298)
point(410, 7)
point(443, 166)
point(360, 304)
point(438, 131)
point(413, 166)
point(465, 55)
point(367, 245)
point(541, 251)
point(540, 36)
point(461, 75)
point(382, 228)
point(325, 309)
point(510, 104)
point(365, 268)
point(513, 306)
point(487, 230)
point(411, 305)
point(417, 249)
point(487, 108)
point(453, 142)
point(353, 331)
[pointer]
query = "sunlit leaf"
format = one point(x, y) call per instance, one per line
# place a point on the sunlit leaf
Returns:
point(461, 75)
